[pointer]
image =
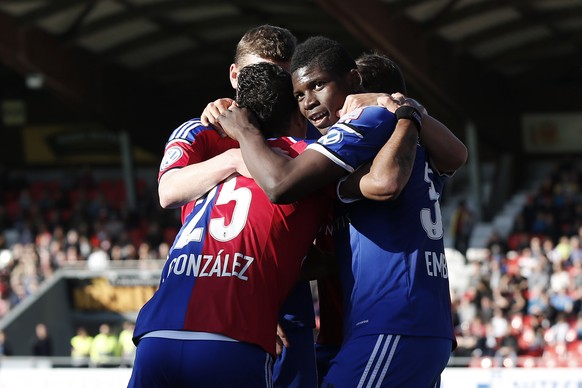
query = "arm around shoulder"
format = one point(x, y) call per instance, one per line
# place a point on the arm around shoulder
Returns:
point(182, 185)
point(446, 151)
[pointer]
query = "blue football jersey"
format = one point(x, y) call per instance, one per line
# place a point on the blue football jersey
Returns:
point(391, 253)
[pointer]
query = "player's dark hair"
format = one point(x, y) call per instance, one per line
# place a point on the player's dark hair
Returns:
point(267, 90)
point(268, 42)
point(327, 54)
point(380, 74)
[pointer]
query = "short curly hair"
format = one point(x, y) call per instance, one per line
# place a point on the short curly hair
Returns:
point(328, 54)
point(266, 89)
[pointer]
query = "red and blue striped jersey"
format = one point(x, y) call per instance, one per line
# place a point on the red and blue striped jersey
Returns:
point(191, 143)
point(235, 259)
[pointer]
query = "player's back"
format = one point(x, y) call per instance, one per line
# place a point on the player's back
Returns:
point(234, 261)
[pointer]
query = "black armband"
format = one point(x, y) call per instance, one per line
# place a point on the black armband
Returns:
point(409, 113)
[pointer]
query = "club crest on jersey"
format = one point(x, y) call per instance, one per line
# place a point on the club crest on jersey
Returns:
point(332, 137)
point(171, 156)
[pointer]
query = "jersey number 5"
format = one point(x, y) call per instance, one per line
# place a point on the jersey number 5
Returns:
point(434, 230)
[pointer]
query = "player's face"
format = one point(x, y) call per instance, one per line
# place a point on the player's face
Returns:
point(320, 95)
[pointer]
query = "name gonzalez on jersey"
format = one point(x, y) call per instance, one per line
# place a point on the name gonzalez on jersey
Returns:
point(210, 265)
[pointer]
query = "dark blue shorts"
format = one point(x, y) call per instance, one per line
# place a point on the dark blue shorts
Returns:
point(389, 361)
point(163, 362)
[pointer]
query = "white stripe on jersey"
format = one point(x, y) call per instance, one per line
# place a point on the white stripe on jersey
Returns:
point(182, 131)
point(322, 150)
point(347, 128)
point(375, 361)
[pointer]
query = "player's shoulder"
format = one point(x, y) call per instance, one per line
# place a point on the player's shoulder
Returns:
point(367, 114)
point(362, 121)
point(189, 130)
point(290, 144)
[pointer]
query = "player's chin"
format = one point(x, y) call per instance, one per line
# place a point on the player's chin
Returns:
point(323, 124)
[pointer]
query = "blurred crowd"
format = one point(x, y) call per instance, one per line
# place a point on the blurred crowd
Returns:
point(73, 218)
point(522, 305)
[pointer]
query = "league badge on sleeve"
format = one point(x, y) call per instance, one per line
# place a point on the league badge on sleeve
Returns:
point(333, 136)
point(171, 156)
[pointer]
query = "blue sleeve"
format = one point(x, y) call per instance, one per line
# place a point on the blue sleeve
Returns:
point(357, 137)
point(188, 131)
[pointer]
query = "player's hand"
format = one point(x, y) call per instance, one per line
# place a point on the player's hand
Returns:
point(210, 114)
point(416, 104)
point(281, 340)
point(390, 102)
point(235, 121)
point(403, 100)
point(354, 101)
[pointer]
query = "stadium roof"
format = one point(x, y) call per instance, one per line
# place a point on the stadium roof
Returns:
point(147, 65)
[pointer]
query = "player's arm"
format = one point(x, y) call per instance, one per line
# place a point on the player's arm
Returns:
point(283, 180)
point(181, 185)
point(384, 178)
point(447, 152)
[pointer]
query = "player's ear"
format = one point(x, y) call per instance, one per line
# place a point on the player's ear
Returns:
point(233, 75)
point(355, 79)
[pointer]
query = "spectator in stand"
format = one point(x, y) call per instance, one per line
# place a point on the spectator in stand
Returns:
point(116, 253)
point(163, 251)
point(18, 293)
point(462, 226)
point(5, 347)
point(103, 346)
point(560, 278)
point(562, 301)
point(563, 249)
point(126, 347)
point(558, 332)
point(539, 277)
point(42, 344)
point(576, 254)
point(81, 347)
point(548, 247)
point(538, 302)
point(145, 251)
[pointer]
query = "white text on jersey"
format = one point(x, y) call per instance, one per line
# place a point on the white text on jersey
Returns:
point(209, 265)
point(436, 264)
